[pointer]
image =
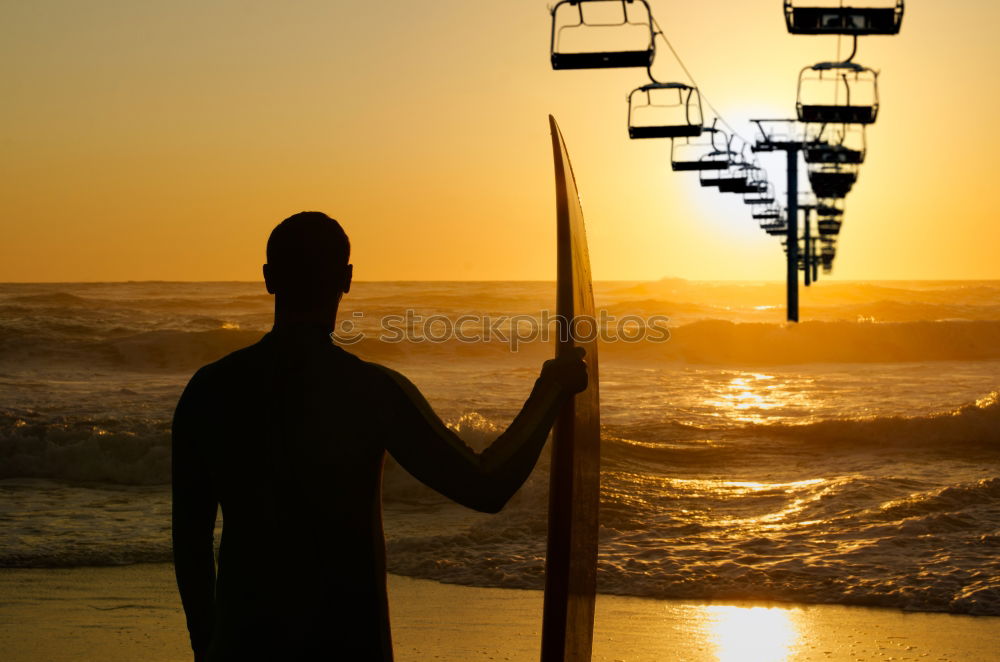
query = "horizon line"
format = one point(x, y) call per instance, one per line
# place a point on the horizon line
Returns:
point(516, 280)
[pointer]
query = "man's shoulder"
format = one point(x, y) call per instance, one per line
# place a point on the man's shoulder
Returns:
point(233, 368)
point(378, 373)
point(259, 360)
point(392, 384)
point(233, 365)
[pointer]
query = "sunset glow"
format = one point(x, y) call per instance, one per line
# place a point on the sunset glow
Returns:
point(164, 140)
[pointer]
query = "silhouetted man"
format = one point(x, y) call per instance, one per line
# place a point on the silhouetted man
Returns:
point(289, 436)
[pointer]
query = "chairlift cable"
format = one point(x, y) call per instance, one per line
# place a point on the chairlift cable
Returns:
point(694, 83)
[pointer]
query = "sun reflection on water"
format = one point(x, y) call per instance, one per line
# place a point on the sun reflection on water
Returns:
point(742, 396)
point(751, 634)
point(759, 398)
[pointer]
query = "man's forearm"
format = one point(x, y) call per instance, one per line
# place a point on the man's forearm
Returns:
point(510, 459)
point(436, 456)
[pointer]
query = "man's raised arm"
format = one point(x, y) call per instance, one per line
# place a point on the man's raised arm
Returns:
point(418, 439)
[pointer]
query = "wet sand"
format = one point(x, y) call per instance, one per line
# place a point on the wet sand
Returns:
point(133, 613)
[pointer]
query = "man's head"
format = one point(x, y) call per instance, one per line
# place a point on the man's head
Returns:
point(307, 262)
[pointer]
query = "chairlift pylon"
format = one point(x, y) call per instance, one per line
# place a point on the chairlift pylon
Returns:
point(632, 46)
point(883, 17)
point(837, 93)
point(671, 110)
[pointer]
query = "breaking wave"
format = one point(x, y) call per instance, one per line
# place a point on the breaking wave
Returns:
point(710, 342)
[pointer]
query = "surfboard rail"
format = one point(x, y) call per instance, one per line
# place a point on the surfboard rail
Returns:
point(574, 490)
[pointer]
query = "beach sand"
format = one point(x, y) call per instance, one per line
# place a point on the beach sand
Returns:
point(133, 613)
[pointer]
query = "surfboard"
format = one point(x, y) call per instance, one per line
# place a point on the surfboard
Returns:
point(571, 554)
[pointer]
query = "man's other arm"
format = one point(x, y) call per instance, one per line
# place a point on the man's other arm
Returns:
point(418, 439)
point(194, 512)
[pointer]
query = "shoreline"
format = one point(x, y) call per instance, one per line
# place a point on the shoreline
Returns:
point(133, 612)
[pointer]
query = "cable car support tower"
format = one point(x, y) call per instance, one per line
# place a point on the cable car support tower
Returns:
point(786, 136)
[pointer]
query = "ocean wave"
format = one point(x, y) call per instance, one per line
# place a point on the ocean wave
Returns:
point(110, 342)
point(173, 350)
point(134, 450)
point(969, 432)
point(973, 427)
point(854, 537)
point(946, 499)
point(124, 451)
point(938, 555)
point(50, 299)
point(723, 342)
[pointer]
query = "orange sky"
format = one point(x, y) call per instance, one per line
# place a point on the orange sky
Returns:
point(163, 140)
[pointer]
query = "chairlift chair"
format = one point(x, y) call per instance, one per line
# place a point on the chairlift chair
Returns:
point(726, 181)
point(828, 227)
point(756, 181)
point(771, 213)
point(631, 39)
point(680, 162)
point(832, 181)
point(838, 93)
point(671, 110)
point(737, 178)
point(830, 208)
point(734, 181)
point(827, 254)
point(757, 193)
point(776, 229)
point(697, 153)
point(715, 162)
point(714, 176)
point(751, 182)
point(736, 185)
point(875, 18)
point(763, 196)
point(835, 143)
point(775, 134)
point(818, 152)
